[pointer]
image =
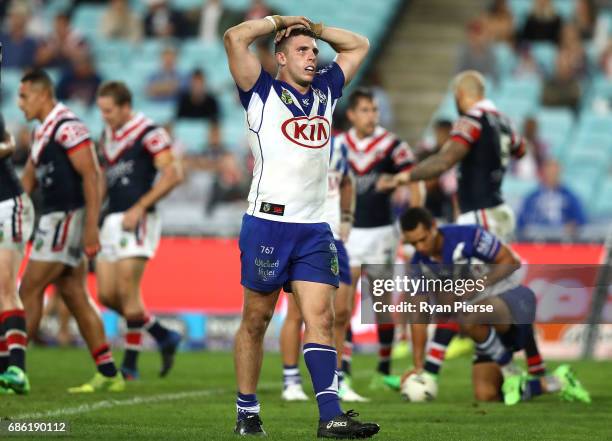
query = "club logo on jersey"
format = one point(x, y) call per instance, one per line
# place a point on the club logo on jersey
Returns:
point(1, 236)
point(286, 97)
point(312, 133)
point(38, 245)
point(275, 209)
point(306, 101)
point(322, 97)
point(123, 242)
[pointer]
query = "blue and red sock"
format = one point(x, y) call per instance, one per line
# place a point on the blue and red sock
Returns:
point(16, 337)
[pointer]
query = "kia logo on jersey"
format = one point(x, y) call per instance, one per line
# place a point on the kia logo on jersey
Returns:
point(312, 133)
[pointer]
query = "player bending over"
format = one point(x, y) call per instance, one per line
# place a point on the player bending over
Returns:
point(16, 225)
point(284, 240)
point(514, 309)
point(135, 151)
point(481, 144)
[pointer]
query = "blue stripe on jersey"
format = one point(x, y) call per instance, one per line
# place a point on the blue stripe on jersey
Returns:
point(261, 88)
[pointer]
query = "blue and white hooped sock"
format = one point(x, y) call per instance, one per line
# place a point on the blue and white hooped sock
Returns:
point(321, 363)
point(291, 375)
point(246, 404)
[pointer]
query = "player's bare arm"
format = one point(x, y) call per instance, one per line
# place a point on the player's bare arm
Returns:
point(506, 262)
point(352, 49)
point(244, 65)
point(452, 153)
point(171, 175)
point(85, 162)
point(28, 178)
point(347, 205)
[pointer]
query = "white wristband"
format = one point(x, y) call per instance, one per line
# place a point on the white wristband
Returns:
point(269, 17)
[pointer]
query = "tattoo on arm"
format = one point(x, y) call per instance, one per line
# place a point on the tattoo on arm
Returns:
point(435, 165)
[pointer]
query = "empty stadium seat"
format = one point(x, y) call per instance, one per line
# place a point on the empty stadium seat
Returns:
point(603, 199)
point(193, 134)
point(545, 54)
point(87, 19)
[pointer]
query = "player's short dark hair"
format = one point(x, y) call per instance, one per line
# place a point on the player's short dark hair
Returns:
point(39, 77)
point(415, 216)
point(117, 90)
point(443, 124)
point(280, 46)
point(359, 94)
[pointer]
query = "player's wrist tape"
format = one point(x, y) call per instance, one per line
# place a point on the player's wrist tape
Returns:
point(347, 217)
point(277, 21)
point(317, 28)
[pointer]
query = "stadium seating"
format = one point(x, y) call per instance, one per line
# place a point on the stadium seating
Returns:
point(193, 134)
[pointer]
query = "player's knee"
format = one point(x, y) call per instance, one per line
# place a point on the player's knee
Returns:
point(255, 324)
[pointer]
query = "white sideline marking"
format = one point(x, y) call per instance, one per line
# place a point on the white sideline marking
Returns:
point(107, 404)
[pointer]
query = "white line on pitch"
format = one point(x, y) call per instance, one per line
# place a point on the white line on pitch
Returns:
point(134, 401)
point(107, 404)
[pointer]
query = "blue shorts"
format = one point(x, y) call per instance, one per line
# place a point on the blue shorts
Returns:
point(343, 263)
point(521, 303)
point(272, 254)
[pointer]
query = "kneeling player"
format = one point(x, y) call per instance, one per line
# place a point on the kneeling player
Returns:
point(514, 310)
point(135, 149)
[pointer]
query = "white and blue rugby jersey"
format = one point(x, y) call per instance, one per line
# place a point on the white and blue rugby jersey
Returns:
point(338, 168)
point(289, 134)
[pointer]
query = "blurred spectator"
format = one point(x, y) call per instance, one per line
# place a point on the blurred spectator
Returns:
point(543, 23)
point(441, 198)
point(62, 46)
point(552, 205)
point(197, 101)
point(477, 53)
point(385, 109)
point(529, 167)
point(215, 19)
point(500, 22)
point(527, 65)
point(162, 21)
point(571, 46)
point(563, 89)
point(119, 22)
point(258, 9)
point(165, 84)
point(18, 48)
point(585, 18)
point(79, 83)
point(266, 56)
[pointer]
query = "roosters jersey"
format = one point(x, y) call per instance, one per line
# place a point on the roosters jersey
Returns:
point(338, 169)
point(289, 134)
point(59, 135)
point(492, 141)
point(369, 158)
point(129, 160)
point(10, 187)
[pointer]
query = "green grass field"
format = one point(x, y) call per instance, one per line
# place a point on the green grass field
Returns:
point(196, 402)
